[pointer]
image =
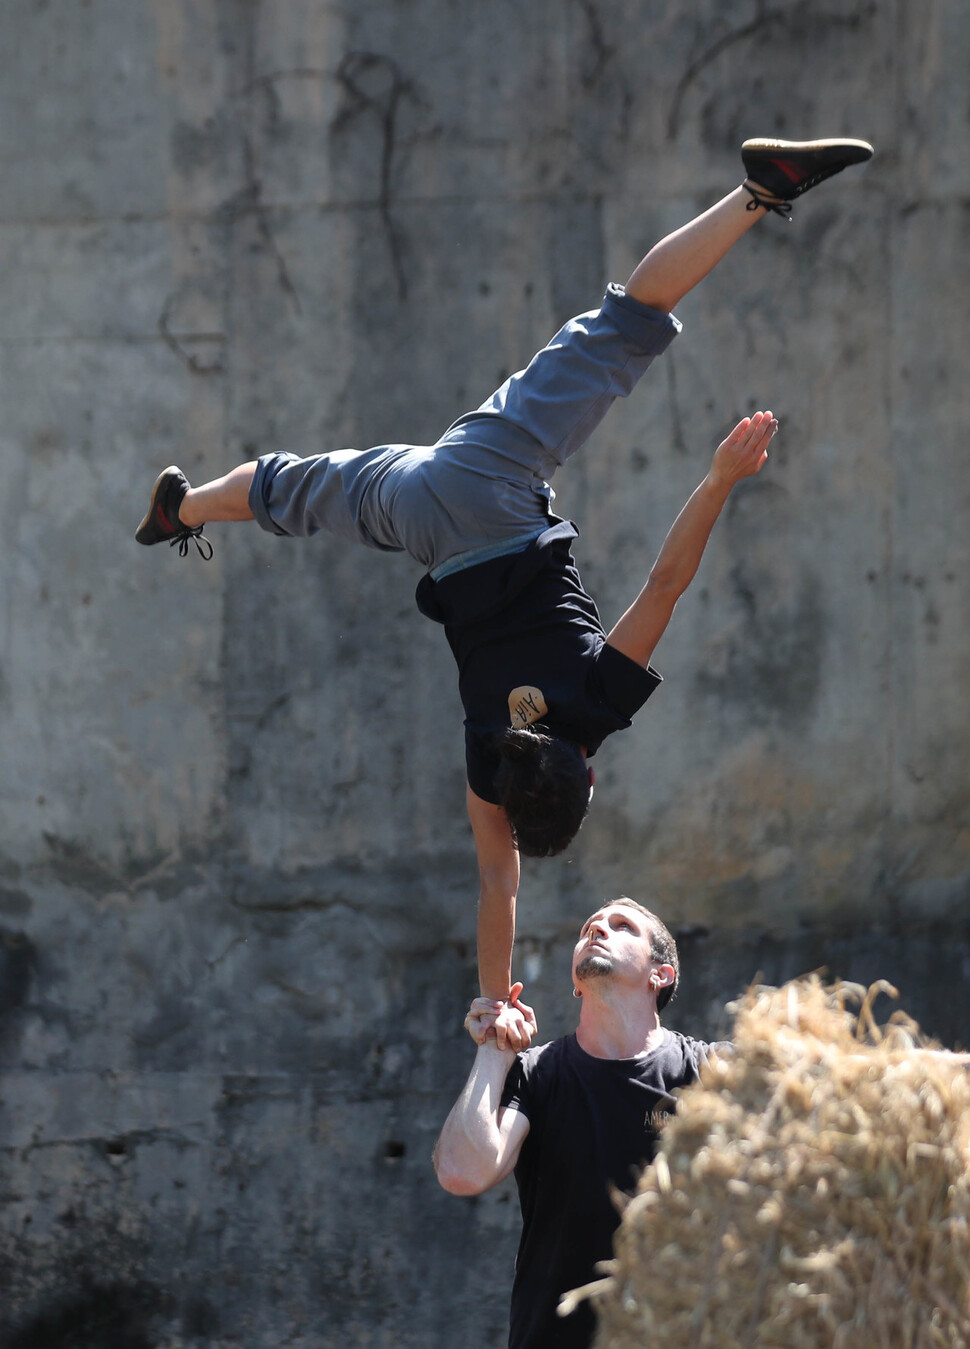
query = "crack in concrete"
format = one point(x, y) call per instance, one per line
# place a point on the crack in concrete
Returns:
point(602, 52)
point(175, 342)
point(265, 230)
point(676, 421)
point(302, 904)
point(763, 19)
point(131, 1138)
point(74, 863)
point(267, 83)
point(249, 201)
point(272, 707)
point(313, 206)
point(217, 960)
point(353, 71)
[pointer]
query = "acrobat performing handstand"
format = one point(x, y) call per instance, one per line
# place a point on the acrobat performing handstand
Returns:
point(541, 681)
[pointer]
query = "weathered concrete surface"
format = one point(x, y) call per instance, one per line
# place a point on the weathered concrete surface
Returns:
point(236, 885)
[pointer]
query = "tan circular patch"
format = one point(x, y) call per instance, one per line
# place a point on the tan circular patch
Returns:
point(526, 705)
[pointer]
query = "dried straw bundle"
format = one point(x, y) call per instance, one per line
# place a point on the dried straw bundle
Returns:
point(812, 1191)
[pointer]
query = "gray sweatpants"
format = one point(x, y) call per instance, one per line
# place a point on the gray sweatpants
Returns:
point(486, 481)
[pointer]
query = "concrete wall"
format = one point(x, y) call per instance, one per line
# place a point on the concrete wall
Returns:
point(236, 884)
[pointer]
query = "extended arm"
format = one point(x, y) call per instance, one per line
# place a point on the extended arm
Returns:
point(479, 1144)
point(498, 867)
point(739, 456)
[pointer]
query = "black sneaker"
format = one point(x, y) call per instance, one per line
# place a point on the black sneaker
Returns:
point(162, 523)
point(786, 169)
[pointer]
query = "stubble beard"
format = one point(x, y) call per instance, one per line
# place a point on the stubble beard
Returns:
point(594, 967)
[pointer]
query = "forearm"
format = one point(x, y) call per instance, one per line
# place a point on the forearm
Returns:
point(496, 935)
point(742, 454)
point(468, 1154)
point(680, 556)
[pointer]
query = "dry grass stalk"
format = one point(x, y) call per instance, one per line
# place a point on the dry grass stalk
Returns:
point(811, 1191)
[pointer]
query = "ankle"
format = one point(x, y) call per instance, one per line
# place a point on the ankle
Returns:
point(185, 512)
point(765, 201)
point(757, 191)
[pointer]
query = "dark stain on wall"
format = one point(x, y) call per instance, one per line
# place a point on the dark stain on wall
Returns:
point(773, 661)
point(17, 966)
point(109, 1316)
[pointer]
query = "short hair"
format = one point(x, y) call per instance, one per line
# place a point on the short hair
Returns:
point(543, 786)
point(663, 948)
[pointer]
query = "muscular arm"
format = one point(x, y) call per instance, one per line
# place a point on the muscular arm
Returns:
point(498, 867)
point(480, 1143)
point(742, 454)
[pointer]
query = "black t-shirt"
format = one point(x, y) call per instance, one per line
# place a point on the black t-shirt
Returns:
point(593, 1124)
point(531, 650)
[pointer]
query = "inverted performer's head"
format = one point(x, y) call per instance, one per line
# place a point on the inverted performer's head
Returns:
point(544, 787)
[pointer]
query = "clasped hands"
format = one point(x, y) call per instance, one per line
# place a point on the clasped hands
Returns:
point(509, 1022)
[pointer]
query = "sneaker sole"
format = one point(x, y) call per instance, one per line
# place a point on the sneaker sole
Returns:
point(842, 141)
point(142, 528)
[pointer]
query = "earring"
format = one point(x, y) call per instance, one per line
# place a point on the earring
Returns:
point(576, 993)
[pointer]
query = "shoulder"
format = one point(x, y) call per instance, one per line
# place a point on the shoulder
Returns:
point(540, 1066)
point(481, 762)
point(683, 1056)
point(625, 683)
point(531, 1079)
point(540, 1059)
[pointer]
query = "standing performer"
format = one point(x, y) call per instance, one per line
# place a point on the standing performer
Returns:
point(542, 683)
point(575, 1119)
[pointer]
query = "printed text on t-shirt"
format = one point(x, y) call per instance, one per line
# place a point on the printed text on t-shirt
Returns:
point(526, 705)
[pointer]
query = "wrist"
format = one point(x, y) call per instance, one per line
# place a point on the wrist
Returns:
point(488, 1051)
point(718, 485)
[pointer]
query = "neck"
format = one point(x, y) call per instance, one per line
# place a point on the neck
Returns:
point(617, 1025)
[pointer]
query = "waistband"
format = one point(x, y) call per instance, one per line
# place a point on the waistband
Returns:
point(461, 561)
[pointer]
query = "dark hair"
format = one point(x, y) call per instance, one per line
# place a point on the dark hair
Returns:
point(663, 948)
point(543, 786)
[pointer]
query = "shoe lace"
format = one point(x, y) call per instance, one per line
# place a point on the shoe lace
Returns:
point(198, 538)
point(817, 178)
point(782, 208)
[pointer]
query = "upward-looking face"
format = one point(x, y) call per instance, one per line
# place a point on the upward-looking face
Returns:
point(616, 942)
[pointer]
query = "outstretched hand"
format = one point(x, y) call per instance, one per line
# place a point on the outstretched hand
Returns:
point(744, 451)
point(510, 1023)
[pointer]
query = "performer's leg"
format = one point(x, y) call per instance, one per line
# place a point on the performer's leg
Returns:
point(225, 498)
point(677, 263)
point(777, 173)
point(177, 512)
point(285, 494)
point(565, 391)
